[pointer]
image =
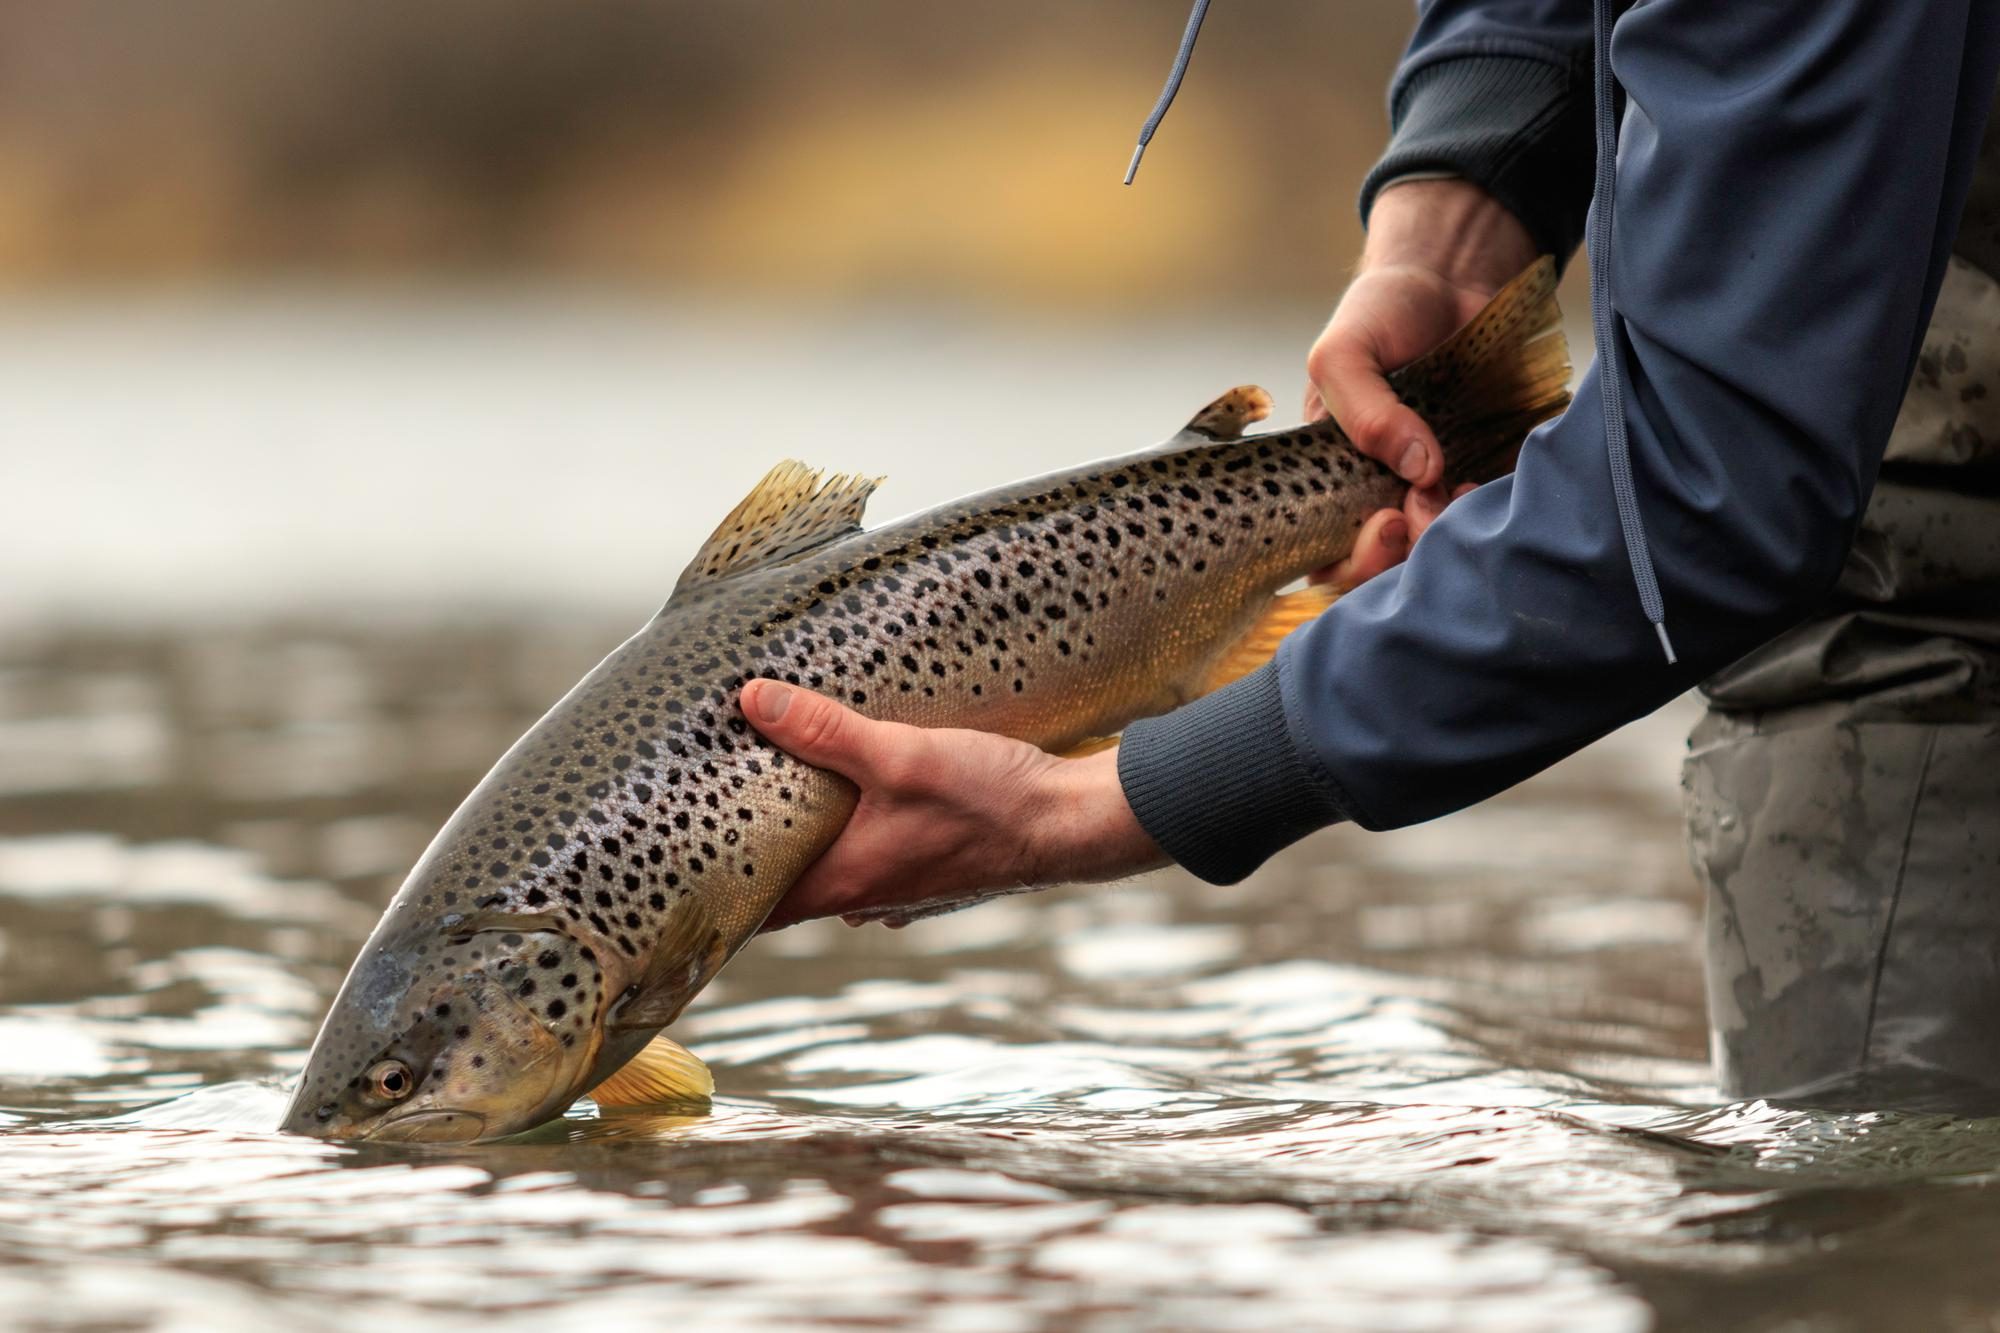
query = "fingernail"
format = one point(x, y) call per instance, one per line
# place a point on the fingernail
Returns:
point(1411, 465)
point(1396, 536)
point(772, 700)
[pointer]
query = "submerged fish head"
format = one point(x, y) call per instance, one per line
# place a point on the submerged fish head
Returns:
point(449, 1036)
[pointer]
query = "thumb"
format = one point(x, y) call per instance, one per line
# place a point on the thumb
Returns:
point(810, 726)
point(1350, 381)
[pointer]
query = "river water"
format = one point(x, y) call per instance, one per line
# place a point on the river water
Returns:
point(1447, 1078)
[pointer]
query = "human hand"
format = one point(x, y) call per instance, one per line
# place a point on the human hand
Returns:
point(1437, 252)
point(946, 818)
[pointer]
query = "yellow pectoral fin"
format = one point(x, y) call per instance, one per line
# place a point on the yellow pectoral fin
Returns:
point(1285, 614)
point(664, 1071)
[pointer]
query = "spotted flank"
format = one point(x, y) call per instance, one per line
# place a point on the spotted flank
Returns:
point(637, 836)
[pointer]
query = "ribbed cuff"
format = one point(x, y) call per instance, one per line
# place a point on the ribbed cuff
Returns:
point(1218, 784)
point(1518, 128)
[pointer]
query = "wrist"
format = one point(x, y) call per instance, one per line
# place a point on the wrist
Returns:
point(1084, 830)
point(1449, 227)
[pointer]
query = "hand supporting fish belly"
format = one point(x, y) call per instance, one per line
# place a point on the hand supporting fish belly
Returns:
point(640, 833)
point(947, 817)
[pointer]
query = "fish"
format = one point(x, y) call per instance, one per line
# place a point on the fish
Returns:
point(637, 836)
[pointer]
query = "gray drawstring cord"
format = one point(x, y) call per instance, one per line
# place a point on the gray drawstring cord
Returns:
point(1174, 78)
point(1610, 356)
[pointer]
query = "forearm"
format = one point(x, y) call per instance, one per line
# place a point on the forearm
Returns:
point(1781, 231)
point(1452, 228)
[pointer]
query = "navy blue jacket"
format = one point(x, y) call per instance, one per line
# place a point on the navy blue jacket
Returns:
point(1790, 176)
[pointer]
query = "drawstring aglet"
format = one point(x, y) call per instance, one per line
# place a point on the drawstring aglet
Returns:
point(1174, 77)
point(1660, 628)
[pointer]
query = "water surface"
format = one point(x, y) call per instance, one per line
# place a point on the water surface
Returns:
point(1450, 1078)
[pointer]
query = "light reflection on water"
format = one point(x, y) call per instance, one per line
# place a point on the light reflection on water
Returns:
point(1445, 1079)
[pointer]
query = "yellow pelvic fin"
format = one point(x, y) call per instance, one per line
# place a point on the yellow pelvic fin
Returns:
point(1286, 613)
point(663, 1071)
point(792, 510)
point(1090, 746)
point(1225, 418)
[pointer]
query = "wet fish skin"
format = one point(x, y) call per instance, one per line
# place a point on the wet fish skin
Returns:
point(641, 831)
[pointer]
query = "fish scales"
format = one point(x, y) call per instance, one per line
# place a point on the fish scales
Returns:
point(641, 831)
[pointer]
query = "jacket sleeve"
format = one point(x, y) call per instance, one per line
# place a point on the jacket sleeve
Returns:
point(1790, 179)
point(1498, 92)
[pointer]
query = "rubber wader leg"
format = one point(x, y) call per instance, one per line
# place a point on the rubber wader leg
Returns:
point(1853, 877)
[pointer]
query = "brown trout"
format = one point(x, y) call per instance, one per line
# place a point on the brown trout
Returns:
point(641, 831)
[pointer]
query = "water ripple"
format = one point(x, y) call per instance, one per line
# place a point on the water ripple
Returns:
point(1446, 1079)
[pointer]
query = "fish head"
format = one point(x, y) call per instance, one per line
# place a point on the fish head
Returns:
point(452, 1034)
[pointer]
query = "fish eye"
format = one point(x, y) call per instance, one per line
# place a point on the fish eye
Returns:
point(390, 1080)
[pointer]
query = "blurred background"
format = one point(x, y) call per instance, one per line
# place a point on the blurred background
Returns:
point(832, 153)
point(472, 305)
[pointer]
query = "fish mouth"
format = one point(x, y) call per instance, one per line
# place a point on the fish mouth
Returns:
point(439, 1126)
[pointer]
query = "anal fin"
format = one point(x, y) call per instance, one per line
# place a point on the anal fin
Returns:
point(1286, 613)
point(663, 1071)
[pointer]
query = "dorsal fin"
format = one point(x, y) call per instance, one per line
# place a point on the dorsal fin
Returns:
point(664, 1071)
point(1225, 418)
point(792, 510)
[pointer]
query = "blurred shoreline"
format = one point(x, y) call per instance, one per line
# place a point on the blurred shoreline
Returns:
point(869, 151)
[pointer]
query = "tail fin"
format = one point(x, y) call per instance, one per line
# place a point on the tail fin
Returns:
point(1494, 380)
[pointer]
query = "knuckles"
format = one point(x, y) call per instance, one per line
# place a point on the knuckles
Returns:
point(1331, 360)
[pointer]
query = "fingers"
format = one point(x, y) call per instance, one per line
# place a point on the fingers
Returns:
point(1382, 543)
point(1346, 371)
point(1386, 537)
point(1423, 505)
point(814, 728)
